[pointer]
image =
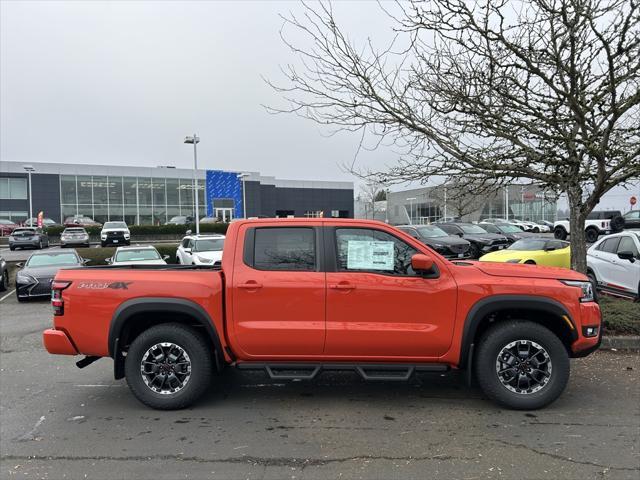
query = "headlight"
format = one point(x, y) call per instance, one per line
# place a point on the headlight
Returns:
point(127, 235)
point(514, 260)
point(587, 289)
point(11, 237)
point(204, 260)
point(24, 278)
point(103, 236)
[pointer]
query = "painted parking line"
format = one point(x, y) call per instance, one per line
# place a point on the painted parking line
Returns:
point(8, 294)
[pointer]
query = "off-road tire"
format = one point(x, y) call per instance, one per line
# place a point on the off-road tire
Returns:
point(617, 224)
point(559, 233)
point(490, 346)
point(200, 356)
point(591, 234)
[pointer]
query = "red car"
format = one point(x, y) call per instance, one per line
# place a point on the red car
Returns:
point(297, 296)
point(81, 221)
point(7, 226)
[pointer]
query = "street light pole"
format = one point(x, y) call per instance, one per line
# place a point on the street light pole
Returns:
point(29, 169)
point(195, 140)
point(242, 176)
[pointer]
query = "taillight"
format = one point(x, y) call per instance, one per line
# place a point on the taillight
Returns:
point(56, 296)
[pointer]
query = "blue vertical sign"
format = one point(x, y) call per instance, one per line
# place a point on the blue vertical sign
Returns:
point(222, 185)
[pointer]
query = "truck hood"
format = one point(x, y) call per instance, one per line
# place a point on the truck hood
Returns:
point(528, 271)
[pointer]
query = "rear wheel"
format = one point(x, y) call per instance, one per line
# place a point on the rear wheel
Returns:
point(560, 233)
point(530, 262)
point(521, 365)
point(4, 281)
point(169, 366)
point(591, 234)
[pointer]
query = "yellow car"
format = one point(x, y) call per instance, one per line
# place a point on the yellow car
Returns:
point(536, 251)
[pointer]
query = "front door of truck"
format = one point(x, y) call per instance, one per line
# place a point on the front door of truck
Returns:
point(377, 306)
point(278, 292)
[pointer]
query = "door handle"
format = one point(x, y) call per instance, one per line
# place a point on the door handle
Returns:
point(342, 286)
point(250, 285)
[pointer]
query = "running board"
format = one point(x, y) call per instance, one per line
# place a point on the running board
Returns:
point(368, 371)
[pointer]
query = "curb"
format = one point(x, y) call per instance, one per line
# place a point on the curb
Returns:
point(627, 342)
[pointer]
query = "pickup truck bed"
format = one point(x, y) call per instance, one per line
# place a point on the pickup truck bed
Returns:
point(298, 296)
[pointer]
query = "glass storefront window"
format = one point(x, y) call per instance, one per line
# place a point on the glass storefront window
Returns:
point(131, 215)
point(101, 213)
point(85, 210)
point(13, 188)
point(146, 217)
point(84, 190)
point(186, 195)
point(144, 191)
point(159, 215)
point(68, 189)
point(159, 196)
point(68, 211)
point(115, 190)
point(116, 212)
point(172, 191)
point(130, 196)
point(100, 189)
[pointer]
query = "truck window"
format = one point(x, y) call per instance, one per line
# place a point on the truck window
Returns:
point(285, 248)
point(610, 245)
point(368, 250)
point(627, 245)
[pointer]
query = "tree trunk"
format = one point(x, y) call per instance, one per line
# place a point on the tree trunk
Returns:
point(576, 234)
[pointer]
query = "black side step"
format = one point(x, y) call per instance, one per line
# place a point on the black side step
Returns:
point(368, 371)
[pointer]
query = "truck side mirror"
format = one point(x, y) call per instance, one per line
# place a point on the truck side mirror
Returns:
point(422, 263)
point(166, 257)
point(187, 250)
point(627, 255)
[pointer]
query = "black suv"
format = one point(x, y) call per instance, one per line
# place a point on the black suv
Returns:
point(481, 241)
point(446, 245)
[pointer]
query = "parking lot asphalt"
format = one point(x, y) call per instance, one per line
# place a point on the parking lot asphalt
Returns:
point(57, 421)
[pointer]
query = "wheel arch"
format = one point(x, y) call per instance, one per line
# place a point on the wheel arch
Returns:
point(490, 310)
point(136, 315)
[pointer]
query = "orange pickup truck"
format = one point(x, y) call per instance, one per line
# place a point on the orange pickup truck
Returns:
point(294, 297)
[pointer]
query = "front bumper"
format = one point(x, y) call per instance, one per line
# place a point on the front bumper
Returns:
point(590, 316)
point(58, 342)
point(39, 288)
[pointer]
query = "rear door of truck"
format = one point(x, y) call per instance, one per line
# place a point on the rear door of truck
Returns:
point(277, 291)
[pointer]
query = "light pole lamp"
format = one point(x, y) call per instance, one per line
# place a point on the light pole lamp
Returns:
point(410, 200)
point(29, 169)
point(242, 176)
point(195, 140)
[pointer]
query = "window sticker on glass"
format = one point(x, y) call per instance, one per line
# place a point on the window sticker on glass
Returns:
point(369, 255)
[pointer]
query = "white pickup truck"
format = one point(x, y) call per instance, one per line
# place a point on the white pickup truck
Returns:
point(598, 222)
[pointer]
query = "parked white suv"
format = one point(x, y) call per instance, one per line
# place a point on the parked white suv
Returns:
point(597, 223)
point(137, 255)
point(115, 233)
point(200, 250)
point(613, 264)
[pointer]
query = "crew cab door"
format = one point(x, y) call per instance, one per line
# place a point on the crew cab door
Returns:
point(628, 275)
point(278, 292)
point(377, 306)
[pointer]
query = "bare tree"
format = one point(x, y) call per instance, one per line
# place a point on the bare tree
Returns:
point(544, 90)
point(369, 192)
point(463, 197)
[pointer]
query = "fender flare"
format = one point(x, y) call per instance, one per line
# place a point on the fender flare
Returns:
point(497, 303)
point(132, 307)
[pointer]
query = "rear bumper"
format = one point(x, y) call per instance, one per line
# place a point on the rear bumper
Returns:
point(57, 342)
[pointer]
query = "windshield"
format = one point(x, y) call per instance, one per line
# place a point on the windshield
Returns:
point(4, 221)
point(57, 259)
point(137, 255)
point(490, 227)
point(509, 228)
point(115, 225)
point(31, 231)
point(208, 245)
point(472, 229)
point(177, 219)
point(528, 244)
point(431, 232)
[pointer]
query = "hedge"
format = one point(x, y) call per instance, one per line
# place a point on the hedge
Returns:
point(154, 229)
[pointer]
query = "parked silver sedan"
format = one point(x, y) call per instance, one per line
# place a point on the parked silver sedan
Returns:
point(28, 237)
point(74, 237)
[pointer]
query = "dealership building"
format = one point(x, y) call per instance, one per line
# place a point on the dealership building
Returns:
point(153, 195)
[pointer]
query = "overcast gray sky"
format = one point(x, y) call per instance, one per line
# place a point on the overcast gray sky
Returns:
point(124, 82)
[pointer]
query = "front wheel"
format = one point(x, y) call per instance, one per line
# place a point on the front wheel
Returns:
point(474, 251)
point(560, 233)
point(169, 366)
point(4, 281)
point(521, 365)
